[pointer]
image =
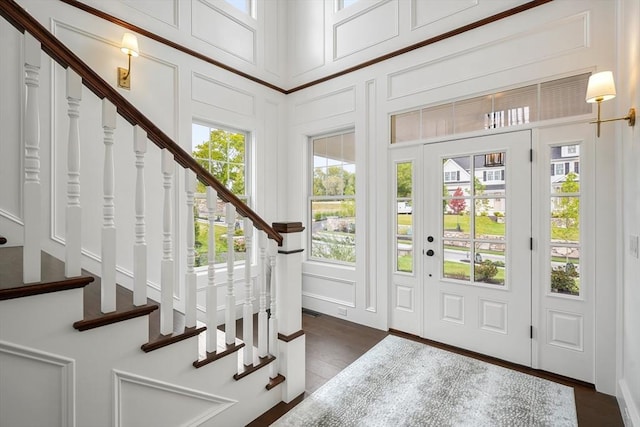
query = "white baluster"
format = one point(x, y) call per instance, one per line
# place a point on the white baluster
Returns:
point(190, 279)
point(32, 190)
point(230, 311)
point(73, 245)
point(273, 318)
point(247, 323)
point(167, 269)
point(262, 309)
point(212, 291)
point(108, 277)
point(140, 246)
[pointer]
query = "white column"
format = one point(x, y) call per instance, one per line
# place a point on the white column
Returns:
point(73, 229)
point(262, 309)
point(230, 311)
point(190, 277)
point(273, 318)
point(140, 245)
point(247, 322)
point(212, 291)
point(32, 209)
point(167, 268)
point(291, 349)
point(108, 276)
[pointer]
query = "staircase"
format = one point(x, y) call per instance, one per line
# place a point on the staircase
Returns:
point(102, 339)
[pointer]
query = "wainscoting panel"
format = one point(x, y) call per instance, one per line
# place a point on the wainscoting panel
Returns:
point(565, 330)
point(329, 105)
point(425, 12)
point(143, 401)
point(560, 37)
point(212, 92)
point(348, 33)
point(217, 28)
point(330, 289)
point(163, 10)
point(36, 388)
point(452, 308)
point(493, 316)
point(405, 299)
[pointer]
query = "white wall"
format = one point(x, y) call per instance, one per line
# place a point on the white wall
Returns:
point(628, 391)
point(555, 40)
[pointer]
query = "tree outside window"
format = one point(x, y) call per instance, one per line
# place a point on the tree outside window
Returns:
point(223, 154)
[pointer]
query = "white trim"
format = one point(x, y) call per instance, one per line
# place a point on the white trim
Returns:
point(120, 377)
point(67, 376)
point(627, 405)
point(328, 299)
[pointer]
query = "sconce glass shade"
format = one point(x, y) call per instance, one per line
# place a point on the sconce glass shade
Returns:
point(601, 87)
point(129, 44)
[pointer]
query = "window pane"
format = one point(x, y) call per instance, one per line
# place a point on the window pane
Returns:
point(222, 153)
point(405, 127)
point(333, 230)
point(437, 121)
point(473, 114)
point(241, 5)
point(565, 270)
point(489, 263)
point(490, 219)
point(455, 260)
point(565, 219)
point(404, 254)
point(564, 97)
point(516, 106)
point(404, 178)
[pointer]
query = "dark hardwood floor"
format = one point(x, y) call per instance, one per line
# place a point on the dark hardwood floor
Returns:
point(334, 343)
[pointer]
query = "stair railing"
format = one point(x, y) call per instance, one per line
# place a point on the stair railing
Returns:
point(38, 38)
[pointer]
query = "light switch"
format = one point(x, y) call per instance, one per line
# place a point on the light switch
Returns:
point(633, 246)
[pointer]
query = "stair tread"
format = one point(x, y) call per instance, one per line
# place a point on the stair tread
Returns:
point(258, 362)
point(223, 349)
point(52, 275)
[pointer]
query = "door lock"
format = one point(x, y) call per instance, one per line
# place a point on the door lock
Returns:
point(430, 239)
point(430, 252)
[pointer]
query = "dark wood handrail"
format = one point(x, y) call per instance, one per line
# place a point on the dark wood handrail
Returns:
point(60, 53)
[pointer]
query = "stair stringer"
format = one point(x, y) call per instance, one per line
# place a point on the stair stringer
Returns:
point(42, 324)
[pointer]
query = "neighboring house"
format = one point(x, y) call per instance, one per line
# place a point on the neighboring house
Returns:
point(349, 76)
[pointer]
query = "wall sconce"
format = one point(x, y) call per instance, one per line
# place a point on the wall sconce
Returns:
point(602, 88)
point(129, 46)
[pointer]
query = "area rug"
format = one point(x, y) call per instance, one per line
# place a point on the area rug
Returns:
point(404, 383)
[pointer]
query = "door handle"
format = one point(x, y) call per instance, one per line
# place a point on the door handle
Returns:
point(430, 252)
point(430, 239)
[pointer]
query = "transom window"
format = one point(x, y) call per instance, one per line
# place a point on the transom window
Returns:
point(223, 153)
point(332, 201)
point(547, 100)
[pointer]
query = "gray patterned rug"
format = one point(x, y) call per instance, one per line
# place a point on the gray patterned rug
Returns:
point(404, 383)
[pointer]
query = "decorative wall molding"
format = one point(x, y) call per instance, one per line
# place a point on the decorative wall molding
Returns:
point(204, 405)
point(561, 37)
point(218, 25)
point(328, 105)
point(153, 12)
point(67, 377)
point(371, 220)
point(444, 10)
point(345, 33)
point(208, 90)
point(328, 299)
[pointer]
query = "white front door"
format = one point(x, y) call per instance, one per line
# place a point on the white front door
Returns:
point(475, 241)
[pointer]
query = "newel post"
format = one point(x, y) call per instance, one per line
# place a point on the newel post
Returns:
point(291, 337)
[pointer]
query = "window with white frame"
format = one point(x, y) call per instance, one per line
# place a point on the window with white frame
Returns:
point(222, 152)
point(332, 200)
point(245, 6)
point(565, 242)
point(342, 4)
point(450, 176)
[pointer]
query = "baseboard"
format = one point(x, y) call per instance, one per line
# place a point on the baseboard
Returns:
point(629, 410)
